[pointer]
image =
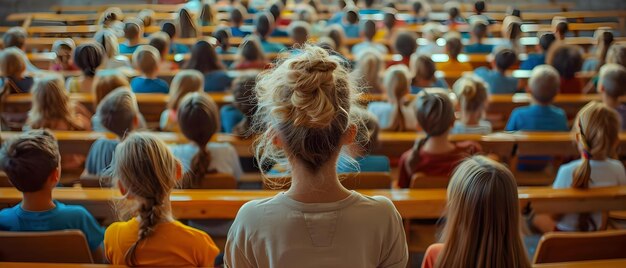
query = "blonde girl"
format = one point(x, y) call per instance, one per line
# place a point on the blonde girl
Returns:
point(147, 17)
point(604, 38)
point(367, 70)
point(185, 81)
point(397, 114)
point(207, 15)
point(112, 59)
point(111, 19)
point(482, 219)
point(424, 69)
point(186, 24)
point(433, 155)
point(596, 130)
point(199, 120)
point(471, 93)
point(304, 106)
point(146, 172)
point(13, 67)
point(87, 57)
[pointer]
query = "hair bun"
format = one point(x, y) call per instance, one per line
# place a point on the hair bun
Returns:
point(321, 66)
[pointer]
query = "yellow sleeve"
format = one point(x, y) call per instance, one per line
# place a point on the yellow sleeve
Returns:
point(210, 251)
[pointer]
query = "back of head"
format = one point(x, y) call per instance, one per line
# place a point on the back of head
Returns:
point(479, 7)
point(336, 33)
point(305, 100)
point(352, 16)
point(479, 29)
point(106, 81)
point(421, 7)
point(275, 10)
point(389, 17)
point(237, 15)
point(505, 58)
point(250, 49)
point(397, 85)
point(206, 14)
point(29, 158)
point(299, 31)
point(511, 27)
point(307, 13)
point(199, 120)
point(544, 83)
point(118, 111)
point(546, 40)
point(612, 80)
point(146, 58)
point(605, 39)
point(264, 24)
point(435, 112)
point(453, 47)
point(566, 59)
point(108, 40)
point(454, 12)
point(203, 58)
point(514, 12)
point(616, 54)
point(406, 43)
point(368, 69)
point(223, 35)
point(110, 15)
point(188, 27)
point(14, 37)
point(63, 44)
point(471, 93)
point(147, 170)
point(50, 102)
point(369, 29)
point(88, 57)
point(245, 95)
point(169, 28)
point(367, 130)
point(559, 25)
point(184, 82)
point(146, 16)
point(482, 228)
point(423, 67)
point(160, 41)
point(12, 63)
point(133, 28)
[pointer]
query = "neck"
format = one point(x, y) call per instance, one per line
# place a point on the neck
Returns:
point(470, 118)
point(133, 42)
point(150, 76)
point(611, 102)
point(321, 186)
point(438, 144)
point(38, 201)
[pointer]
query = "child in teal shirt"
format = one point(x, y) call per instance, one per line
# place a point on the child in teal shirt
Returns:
point(365, 142)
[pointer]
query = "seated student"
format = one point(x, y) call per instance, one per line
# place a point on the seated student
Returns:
point(479, 8)
point(104, 82)
point(309, 139)
point(359, 154)
point(16, 37)
point(207, 15)
point(604, 38)
point(187, 24)
point(175, 48)
point(198, 118)
point(264, 26)
point(431, 32)
point(567, 60)
point(541, 115)
point(597, 135)
point(494, 237)
point(299, 32)
point(454, 17)
point(250, 55)
point(184, 82)
point(237, 15)
point(133, 31)
point(237, 118)
point(13, 67)
point(205, 60)
point(419, 12)
point(405, 45)
point(111, 19)
point(471, 93)
point(367, 71)
point(63, 49)
point(388, 30)
point(616, 54)
point(161, 41)
point(397, 114)
point(276, 9)
point(146, 59)
point(369, 31)
point(112, 59)
point(511, 31)
point(535, 59)
point(350, 24)
point(433, 155)
point(499, 82)
point(31, 160)
point(146, 172)
point(88, 57)
point(147, 17)
point(335, 32)
point(222, 35)
point(612, 85)
point(560, 27)
point(453, 49)
point(424, 76)
point(479, 32)
point(118, 113)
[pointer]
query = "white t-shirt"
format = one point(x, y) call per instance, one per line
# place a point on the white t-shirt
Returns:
point(358, 231)
point(385, 114)
point(483, 127)
point(609, 172)
point(224, 158)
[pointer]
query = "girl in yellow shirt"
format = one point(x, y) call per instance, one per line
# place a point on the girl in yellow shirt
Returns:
point(146, 172)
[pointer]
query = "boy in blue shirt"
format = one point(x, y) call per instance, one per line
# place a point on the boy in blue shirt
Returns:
point(536, 59)
point(32, 163)
point(479, 32)
point(499, 82)
point(369, 31)
point(360, 150)
point(237, 15)
point(147, 58)
point(264, 26)
point(351, 24)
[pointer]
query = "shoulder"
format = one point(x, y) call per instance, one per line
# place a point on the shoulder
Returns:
point(481, 70)
point(378, 106)
point(564, 175)
point(251, 213)
point(431, 255)
point(218, 148)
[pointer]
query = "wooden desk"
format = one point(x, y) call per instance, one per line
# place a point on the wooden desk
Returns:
point(79, 30)
point(123, 7)
point(614, 263)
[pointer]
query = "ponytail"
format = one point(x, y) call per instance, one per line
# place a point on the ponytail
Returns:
point(396, 82)
point(607, 40)
point(414, 157)
point(199, 167)
point(581, 178)
point(151, 213)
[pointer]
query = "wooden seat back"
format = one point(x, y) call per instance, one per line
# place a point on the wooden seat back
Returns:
point(218, 181)
point(423, 181)
point(67, 246)
point(581, 246)
point(95, 181)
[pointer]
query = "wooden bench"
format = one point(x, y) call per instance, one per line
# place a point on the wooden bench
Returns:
point(123, 7)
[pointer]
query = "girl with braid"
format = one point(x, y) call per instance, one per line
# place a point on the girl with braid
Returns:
point(146, 172)
point(596, 130)
point(434, 155)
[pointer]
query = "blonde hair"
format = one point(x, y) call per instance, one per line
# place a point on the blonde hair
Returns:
point(482, 227)
point(199, 120)
point(616, 54)
point(108, 40)
point(12, 63)
point(597, 131)
point(396, 83)
point(185, 81)
point(110, 15)
point(305, 100)
point(51, 105)
point(118, 111)
point(147, 170)
point(146, 58)
point(133, 28)
point(471, 93)
point(544, 83)
point(146, 16)
point(106, 81)
point(187, 25)
point(368, 69)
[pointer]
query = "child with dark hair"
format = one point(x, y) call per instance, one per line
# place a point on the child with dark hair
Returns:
point(264, 26)
point(32, 163)
point(237, 15)
point(133, 31)
point(568, 60)
point(536, 59)
point(453, 49)
point(175, 48)
point(478, 33)
point(351, 24)
point(560, 27)
point(365, 141)
point(496, 78)
point(368, 32)
point(204, 59)
point(88, 57)
point(419, 12)
point(479, 8)
point(237, 117)
point(405, 45)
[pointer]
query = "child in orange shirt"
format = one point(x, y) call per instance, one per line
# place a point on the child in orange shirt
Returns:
point(453, 49)
point(146, 172)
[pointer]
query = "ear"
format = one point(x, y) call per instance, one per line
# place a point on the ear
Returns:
point(55, 176)
point(121, 187)
point(600, 87)
point(136, 122)
point(349, 135)
point(179, 171)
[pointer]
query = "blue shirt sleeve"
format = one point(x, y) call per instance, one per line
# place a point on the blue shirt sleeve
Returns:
point(511, 125)
point(90, 227)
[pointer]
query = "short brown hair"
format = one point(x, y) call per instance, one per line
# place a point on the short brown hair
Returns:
point(146, 58)
point(29, 159)
point(12, 62)
point(613, 79)
point(453, 47)
point(14, 37)
point(118, 111)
